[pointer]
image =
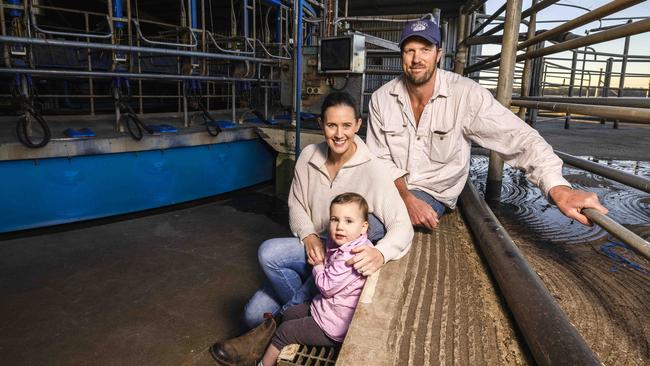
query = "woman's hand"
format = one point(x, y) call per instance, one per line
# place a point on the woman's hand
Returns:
point(367, 260)
point(315, 249)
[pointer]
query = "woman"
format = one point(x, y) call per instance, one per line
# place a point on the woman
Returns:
point(341, 164)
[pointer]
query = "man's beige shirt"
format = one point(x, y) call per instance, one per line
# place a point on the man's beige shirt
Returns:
point(434, 155)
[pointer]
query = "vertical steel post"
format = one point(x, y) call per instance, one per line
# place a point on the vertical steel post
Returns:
point(544, 76)
point(91, 86)
point(608, 76)
point(244, 5)
point(297, 68)
point(233, 101)
point(626, 50)
point(572, 79)
point(461, 48)
point(582, 72)
point(528, 71)
point(504, 89)
point(607, 81)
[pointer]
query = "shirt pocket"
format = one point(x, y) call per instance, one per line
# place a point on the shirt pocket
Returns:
point(442, 145)
point(397, 140)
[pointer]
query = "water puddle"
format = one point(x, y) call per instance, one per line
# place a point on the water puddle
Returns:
point(523, 204)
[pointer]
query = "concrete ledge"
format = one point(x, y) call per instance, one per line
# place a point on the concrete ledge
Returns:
point(69, 147)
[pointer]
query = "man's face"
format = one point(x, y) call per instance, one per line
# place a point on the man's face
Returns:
point(419, 59)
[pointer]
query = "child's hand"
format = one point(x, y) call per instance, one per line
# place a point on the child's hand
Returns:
point(314, 249)
point(315, 262)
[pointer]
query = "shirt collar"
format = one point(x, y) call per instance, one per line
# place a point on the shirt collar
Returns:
point(362, 155)
point(440, 89)
point(347, 247)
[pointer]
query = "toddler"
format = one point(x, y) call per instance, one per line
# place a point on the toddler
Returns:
point(325, 322)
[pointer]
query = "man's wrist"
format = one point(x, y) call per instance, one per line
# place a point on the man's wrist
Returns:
point(556, 192)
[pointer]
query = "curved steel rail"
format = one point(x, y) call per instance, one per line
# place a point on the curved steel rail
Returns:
point(194, 43)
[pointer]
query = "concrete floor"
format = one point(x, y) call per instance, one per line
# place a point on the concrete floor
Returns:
point(151, 290)
point(628, 142)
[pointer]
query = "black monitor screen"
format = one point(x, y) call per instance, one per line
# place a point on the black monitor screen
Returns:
point(335, 54)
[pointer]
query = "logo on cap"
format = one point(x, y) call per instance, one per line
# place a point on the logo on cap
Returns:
point(419, 26)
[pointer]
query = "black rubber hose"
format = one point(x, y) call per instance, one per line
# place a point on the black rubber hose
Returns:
point(22, 133)
point(133, 120)
point(130, 123)
point(214, 130)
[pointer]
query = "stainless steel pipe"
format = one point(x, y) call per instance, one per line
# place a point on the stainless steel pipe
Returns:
point(631, 102)
point(131, 75)
point(637, 243)
point(628, 179)
point(634, 115)
point(105, 46)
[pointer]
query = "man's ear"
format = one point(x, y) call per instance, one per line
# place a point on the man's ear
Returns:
point(320, 122)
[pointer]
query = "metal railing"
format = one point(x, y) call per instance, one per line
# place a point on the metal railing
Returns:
point(533, 78)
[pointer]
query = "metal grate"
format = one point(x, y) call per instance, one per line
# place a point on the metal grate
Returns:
point(295, 354)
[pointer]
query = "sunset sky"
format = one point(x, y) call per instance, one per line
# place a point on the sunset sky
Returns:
point(639, 44)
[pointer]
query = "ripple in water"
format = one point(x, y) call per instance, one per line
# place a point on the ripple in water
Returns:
point(527, 206)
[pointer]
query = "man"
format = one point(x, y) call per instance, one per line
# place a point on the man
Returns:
point(421, 123)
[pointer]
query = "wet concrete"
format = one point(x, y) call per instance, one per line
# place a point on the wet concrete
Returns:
point(155, 289)
point(628, 142)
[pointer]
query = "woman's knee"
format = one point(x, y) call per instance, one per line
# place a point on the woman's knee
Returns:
point(262, 302)
point(273, 252)
point(268, 252)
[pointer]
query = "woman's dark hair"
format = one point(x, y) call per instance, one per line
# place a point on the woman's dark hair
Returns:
point(337, 98)
point(351, 197)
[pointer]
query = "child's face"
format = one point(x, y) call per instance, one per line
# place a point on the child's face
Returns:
point(346, 223)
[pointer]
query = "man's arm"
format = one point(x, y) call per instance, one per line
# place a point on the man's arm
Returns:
point(497, 128)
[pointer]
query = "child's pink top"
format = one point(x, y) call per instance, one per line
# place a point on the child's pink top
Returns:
point(340, 286)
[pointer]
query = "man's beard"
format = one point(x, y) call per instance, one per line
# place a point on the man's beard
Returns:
point(419, 80)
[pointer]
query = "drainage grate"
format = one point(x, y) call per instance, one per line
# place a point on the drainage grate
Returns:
point(295, 354)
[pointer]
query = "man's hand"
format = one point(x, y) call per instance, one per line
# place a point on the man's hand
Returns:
point(572, 201)
point(315, 249)
point(367, 260)
point(420, 212)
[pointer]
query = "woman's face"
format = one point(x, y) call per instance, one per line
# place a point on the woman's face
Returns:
point(339, 127)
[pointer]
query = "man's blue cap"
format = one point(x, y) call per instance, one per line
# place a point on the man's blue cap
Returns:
point(426, 28)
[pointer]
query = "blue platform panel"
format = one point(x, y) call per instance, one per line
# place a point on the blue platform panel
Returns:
point(52, 191)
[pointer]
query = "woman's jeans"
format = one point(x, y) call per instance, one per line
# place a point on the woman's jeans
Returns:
point(288, 275)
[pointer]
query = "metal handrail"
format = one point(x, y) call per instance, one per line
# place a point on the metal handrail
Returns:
point(106, 46)
point(637, 243)
point(633, 115)
point(214, 41)
point(581, 20)
point(628, 179)
point(131, 75)
point(171, 44)
point(632, 102)
point(272, 55)
point(69, 34)
point(608, 35)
